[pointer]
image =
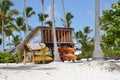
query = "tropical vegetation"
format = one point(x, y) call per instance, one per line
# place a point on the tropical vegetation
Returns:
point(12, 28)
point(7, 57)
point(86, 42)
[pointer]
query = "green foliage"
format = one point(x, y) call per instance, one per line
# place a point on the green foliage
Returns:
point(112, 53)
point(2, 57)
point(87, 51)
point(6, 19)
point(79, 57)
point(29, 11)
point(16, 40)
point(6, 57)
point(69, 17)
point(42, 17)
point(85, 41)
point(88, 55)
point(110, 24)
point(49, 23)
point(9, 57)
point(18, 56)
point(85, 54)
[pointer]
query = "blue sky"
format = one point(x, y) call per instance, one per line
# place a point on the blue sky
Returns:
point(82, 10)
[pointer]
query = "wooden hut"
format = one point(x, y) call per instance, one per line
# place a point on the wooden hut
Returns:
point(63, 35)
point(45, 35)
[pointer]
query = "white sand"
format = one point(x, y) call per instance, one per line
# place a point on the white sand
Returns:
point(81, 70)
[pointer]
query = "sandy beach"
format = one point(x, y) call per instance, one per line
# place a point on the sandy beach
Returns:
point(57, 71)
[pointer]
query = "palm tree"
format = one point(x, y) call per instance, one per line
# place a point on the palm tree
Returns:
point(16, 40)
point(83, 38)
point(49, 23)
point(19, 23)
point(9, 29)
point(64, 14)
point(41, 18)
point(98, 54)
point(25, 16)
point(28, 12)
point(69, 17)
point(6, 16)
point(56, 55)
point(42, 2)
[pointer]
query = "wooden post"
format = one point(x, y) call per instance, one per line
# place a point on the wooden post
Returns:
point(43, 53)
point(24, 56)
point(33, 57)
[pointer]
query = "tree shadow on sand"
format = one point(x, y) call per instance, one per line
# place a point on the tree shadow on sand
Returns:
point(28, 67)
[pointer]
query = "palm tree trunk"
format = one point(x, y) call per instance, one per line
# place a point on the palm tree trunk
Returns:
point(56, 54)
point(20, 36)
point(98, 54)
point(9, 41)
point(25, 15)
point(3, 36)
point(42, 1)
point(66, 25)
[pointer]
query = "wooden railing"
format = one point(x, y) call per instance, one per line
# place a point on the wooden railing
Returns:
point(63, 35)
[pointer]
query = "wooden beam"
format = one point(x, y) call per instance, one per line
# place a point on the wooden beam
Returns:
point(33, 57)
point(24, 56)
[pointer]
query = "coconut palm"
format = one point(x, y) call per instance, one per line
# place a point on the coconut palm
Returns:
point(41, 18)
point(42, 2)
point(25, 16)
point(85, 41)
point(9, 29)
point(69, 17)
point(19, 23)
point(56, 55)
point(16, 40)
point(49, 23)
point(28, 12)
point(6, 16)
point(64, 14)
point(98, 54)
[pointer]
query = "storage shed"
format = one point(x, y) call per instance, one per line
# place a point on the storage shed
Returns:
point(45, 35)
point(63, 35)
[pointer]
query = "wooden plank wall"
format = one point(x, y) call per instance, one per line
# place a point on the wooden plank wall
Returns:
point(64, 35)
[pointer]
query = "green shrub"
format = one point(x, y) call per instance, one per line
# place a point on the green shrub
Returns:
point(79, 57)
point(87, 55)
point(112, 54)
point(2, 57)
point(6, 57)
point(9, 57)
point(18, 56)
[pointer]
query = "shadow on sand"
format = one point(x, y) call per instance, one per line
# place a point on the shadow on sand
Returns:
point(28, 67)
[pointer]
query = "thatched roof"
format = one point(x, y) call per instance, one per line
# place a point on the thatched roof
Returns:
point(21, 46)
